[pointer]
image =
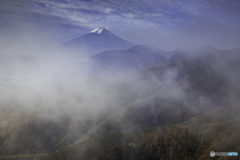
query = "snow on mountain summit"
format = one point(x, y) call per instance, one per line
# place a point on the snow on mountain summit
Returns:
point(97, 30)
point(96, 41)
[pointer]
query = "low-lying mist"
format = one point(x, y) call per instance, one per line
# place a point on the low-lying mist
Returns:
point(56, 83)
point(66, 95)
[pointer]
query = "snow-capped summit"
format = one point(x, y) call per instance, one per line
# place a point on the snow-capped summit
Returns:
point(98, 40)
point(97, 30)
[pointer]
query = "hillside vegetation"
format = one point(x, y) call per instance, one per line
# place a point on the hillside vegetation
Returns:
point(196, 111)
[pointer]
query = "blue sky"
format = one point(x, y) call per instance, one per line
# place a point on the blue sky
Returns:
point(166, 24)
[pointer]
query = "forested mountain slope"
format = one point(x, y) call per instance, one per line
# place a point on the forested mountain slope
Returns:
point(194, 109)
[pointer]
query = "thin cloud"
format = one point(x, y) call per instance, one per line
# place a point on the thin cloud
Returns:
point(124, 14)
point(87, 12)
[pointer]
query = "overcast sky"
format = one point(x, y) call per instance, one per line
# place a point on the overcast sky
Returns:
point(166, 24)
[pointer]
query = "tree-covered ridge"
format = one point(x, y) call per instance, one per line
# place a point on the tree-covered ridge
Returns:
point(122, 135)
point(121, 127)
point(24, 133)
point(199, 115)
point(216, 130)
point(24, 157)
point(190, 140)
point(125, 128)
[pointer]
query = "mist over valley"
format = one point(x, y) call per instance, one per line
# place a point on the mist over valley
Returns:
point(130, 90)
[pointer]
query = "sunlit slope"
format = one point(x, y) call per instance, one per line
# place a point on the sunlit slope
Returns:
point(121, 127)
point(217, 130)
point(191, 140)
point(122, 135)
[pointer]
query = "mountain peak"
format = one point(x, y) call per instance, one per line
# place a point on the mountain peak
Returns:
point(98, 30)
point(98, 40)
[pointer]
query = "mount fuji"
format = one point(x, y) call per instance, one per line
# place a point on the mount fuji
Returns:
point(98, 40)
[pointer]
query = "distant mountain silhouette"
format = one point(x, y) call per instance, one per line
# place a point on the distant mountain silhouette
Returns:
point(184, 54)
point(135, 57)
point(142, 56)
